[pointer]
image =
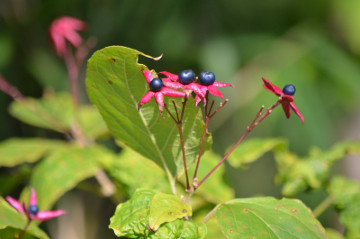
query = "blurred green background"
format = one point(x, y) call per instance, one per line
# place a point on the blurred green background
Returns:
point(314, 45)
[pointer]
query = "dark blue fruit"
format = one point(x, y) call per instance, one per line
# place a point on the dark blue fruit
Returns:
point(289, 90)
point(156, 84)
point(186, 77)
point(207, 78)
point(33, 209)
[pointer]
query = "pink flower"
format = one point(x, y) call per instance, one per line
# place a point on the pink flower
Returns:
point(64, 29)
point(157, 90)
point(172, 81)
point(32, 211)
point(286, 98)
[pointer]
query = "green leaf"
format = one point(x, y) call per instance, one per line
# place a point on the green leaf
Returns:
point(267, 217)
point(132, 217)
point(251, 150)
point(167, 208)
point(115, 84)
point(298, 174)
point(180, 229)
point(19, 150)
point(62, 170)
point(215, 189)
point(346, 196)
point(51, 112)
point(192, 230)
point(92, 124)
point(333, 234)
point(148, 174)
point(10, 218)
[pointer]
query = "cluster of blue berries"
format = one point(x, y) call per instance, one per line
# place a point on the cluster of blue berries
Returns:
point(188, 76)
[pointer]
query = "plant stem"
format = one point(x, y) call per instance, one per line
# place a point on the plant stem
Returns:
point(25, 228)
point(323, 206)
point(179, 121)
point(208, 116)
point(210, 214)
point(254, 123)
point(73, 73)
point(10, 90)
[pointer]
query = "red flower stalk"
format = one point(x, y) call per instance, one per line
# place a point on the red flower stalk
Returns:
point(64, 29)
point(157, 90)
point(286, 98)
point(32, 212)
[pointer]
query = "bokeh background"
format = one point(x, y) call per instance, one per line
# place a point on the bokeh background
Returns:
point(314, 45)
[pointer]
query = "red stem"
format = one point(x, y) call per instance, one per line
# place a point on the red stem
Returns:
point(10, 90)
point(254, 123)
point(73, 73)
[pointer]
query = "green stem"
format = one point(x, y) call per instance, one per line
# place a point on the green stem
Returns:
point(323, 206)
point(25, 229)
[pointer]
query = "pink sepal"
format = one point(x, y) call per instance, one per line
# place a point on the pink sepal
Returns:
point(170, 76)
point(295, 109)
point(172, 92)
point(214, 91)
point(286, 107)
point(148, 76)
point(15, 204)
point(221, 84)
point(46, 215)
point(159, 98)
point(33, 199)
point(145, 99)
point(272, 88)
point(173, 84)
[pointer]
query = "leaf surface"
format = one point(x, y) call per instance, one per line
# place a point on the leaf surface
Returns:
point(15, 151)
point(267, 217)
point(167, 208)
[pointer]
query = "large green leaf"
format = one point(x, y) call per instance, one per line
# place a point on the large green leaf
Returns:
point(167, 208)
point(133, 218)
point(134, 171)
point(267, 217)
point(10, 219)
point(251, 150)
point(115, 84)
point(346, 196)
point(19, 150)
point(62, 170)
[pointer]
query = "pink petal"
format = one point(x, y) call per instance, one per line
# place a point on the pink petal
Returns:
point(46, 215)
point(170, 76)
point(197, 100)
point(197, 88)
point(73, 37)
point(172, 93)
point(173, 84)
point(286, 106)
point(145, 99)
point(15, 204)
point(294, 108)
point(148, 76)
point(33, 199)
point(59, 43)
point(160, 100)
point(272, 88)
point(214, 91)
point(221, 84)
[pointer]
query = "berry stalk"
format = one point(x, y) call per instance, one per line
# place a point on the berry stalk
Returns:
point(254, 123)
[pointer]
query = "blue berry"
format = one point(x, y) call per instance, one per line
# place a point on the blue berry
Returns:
point(33, 210)
point(156, 84)
point(207, 78)
point(186, 77)
point(289, 90)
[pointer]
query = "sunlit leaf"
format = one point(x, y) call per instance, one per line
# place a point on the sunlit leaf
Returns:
point(11, 219)
point(333, 234)
point(346, 196)
point(115, 84)
point(20, 150)
point(267, 217)
point(167, 208)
